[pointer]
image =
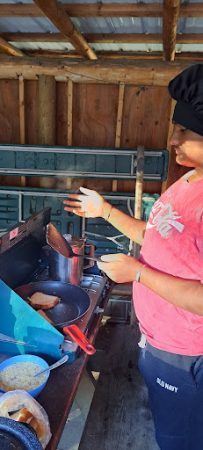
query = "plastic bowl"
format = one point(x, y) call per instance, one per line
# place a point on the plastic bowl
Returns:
point(32, 359)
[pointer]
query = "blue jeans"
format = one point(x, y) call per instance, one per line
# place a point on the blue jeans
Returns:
point(175, 385)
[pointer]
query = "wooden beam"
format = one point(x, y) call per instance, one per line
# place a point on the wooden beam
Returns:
point(91, 37)
point(113, 55)
point(171, 10)
point(119, 114)
point(86, 10)
point(192, 38)
point(102, 10)
point(119, 120)
point(126, 38)
point(156, 38)
point(55, 13)
point(9, 49)
point(22, 109)
point(156, 73)
point(22, 119)
point(192, 10)
point(70, 112)
point(69, 102)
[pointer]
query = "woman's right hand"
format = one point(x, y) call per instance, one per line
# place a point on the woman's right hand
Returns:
point(87, 204)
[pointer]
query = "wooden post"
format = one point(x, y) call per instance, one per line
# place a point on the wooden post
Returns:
point(69, 122)
point(119, 125)
point(138, 204)
point(47, 110)
point(171, 10)
point(70, 112)
point(47, 117)
point(22, 118)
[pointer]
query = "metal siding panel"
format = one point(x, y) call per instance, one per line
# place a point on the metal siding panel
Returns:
point(8, 210)
point(85, 162)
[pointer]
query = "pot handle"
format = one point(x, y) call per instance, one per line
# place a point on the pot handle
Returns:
point(91, 253)
point(79, 337)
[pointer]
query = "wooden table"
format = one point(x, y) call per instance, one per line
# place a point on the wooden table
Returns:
point(58, 395)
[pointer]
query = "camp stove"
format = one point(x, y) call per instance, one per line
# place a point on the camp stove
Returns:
point(22, 260)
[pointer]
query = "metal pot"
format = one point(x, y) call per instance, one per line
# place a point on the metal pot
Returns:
point(65, 269)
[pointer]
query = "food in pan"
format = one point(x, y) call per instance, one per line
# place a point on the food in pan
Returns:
point(21, 376)
point(44, 315)
point(39, 300)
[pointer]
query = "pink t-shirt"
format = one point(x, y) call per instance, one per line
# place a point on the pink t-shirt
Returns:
point(173, 244)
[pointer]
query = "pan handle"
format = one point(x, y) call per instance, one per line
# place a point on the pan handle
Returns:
point(80, 338)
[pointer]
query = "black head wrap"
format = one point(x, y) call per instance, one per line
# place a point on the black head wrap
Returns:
point(187, 89)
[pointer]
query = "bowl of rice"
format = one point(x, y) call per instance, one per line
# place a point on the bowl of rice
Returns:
point(18, 373)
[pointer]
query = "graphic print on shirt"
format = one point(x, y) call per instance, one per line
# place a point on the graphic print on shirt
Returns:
point(164, 219)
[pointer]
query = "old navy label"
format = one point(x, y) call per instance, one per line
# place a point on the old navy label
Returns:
point(167, 386)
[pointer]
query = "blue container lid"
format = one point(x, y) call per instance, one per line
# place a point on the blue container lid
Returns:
point(17, 436)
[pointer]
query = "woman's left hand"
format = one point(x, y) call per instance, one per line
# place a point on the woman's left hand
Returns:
point(119, 267)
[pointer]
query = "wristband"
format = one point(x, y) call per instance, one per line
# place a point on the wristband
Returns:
point(109, 213)
point(138, 274)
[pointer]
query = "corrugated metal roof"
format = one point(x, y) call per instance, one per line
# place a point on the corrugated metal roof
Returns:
point(103, 25)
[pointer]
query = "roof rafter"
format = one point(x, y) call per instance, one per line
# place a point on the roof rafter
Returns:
point(9, 49)
point(55, 13)
point(171, 9)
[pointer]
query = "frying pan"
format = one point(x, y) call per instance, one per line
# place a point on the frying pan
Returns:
point(74, 303)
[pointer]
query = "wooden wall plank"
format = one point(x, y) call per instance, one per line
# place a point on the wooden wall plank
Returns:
point(9, 121)
point(145, 121)
point(31, 112)
point(61, 114)
point(22, 109)
point(145, 117)
point(47, 110)
point(175, 171)
point(94, 115)
point(94, 122)
point(119, 125)
point(119, 114)
point(69, 93)
point(9, 112)
point(22, 117)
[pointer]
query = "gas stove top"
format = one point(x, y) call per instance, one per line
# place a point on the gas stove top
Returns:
point(22, 261)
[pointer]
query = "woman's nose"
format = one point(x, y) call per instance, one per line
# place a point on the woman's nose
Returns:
point(175, 138)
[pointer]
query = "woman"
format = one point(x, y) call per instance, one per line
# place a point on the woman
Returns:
point(168, 289)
